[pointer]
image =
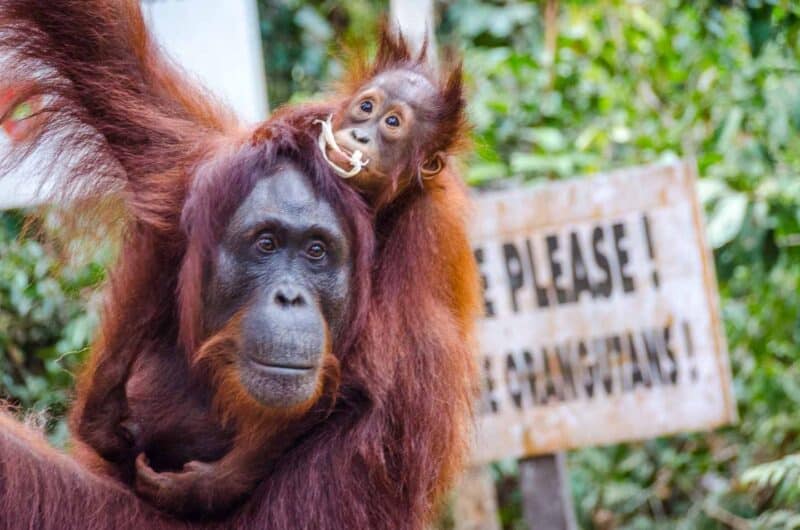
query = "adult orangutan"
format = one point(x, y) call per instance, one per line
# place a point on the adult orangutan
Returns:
point(257, 304)
point(414, 121)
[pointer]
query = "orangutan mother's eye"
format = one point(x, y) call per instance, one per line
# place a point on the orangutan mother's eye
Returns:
point(316, 250)
point(267, 244)
point(366, 106)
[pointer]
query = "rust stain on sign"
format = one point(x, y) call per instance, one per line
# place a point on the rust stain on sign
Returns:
point(602, 319)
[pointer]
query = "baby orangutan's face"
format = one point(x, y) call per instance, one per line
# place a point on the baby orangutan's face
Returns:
point(387, 121)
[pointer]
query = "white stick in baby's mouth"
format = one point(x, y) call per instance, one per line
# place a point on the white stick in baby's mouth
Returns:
point(326, 139)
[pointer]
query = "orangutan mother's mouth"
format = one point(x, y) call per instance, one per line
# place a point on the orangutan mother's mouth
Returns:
point(280, 368)
point(285, 370)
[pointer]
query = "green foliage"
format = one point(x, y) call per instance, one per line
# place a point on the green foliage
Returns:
point(781, 479)
point(44, 324)
point(634, 82)
point(303, 42)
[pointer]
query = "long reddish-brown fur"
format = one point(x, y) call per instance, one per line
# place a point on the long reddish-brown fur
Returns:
point(386, 444)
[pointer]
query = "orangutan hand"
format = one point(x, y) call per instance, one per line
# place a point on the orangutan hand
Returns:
point(199, 489)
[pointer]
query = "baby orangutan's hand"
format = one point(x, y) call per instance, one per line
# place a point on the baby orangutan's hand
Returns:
point(199, 489)
point(105, 426)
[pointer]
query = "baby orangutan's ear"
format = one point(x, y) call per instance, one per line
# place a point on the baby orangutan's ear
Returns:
point(432, 166)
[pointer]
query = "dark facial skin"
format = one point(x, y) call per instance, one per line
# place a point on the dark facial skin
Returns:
point(383, 121)
point(284, 265)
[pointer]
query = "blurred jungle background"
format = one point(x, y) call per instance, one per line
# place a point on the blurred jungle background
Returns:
point(560, 88)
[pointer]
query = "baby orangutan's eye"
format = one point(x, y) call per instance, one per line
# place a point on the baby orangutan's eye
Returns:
point(366, 106)
point(392, 121)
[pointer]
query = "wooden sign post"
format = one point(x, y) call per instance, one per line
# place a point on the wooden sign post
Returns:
point(602, 322)
point(546, 497)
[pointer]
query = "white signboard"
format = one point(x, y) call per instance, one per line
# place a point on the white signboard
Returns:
point(602, 322)
point(217, 42)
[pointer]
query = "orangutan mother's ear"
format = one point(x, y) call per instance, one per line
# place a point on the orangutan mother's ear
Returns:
point(432, 166)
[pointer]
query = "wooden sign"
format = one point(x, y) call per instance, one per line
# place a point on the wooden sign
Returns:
point(602, 321)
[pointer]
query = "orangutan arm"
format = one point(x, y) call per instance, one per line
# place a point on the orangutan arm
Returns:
point(118, 118)
point(47, 490)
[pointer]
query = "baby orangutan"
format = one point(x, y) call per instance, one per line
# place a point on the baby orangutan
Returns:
point(396, 125)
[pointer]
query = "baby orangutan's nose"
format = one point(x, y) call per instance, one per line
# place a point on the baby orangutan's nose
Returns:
point(359, 136)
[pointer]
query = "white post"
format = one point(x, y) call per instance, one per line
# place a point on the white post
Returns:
point(415, 19)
